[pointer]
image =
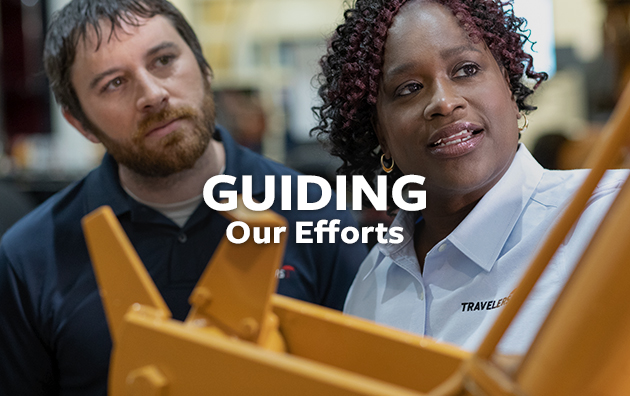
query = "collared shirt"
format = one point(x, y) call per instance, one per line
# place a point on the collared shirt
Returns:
point(472, 273)
point(53, 332)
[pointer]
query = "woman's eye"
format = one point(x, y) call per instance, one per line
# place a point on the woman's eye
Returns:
point(409, 89)
point(467, 70)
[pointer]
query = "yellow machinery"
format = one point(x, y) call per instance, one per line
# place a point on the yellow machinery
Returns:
point(241, 339)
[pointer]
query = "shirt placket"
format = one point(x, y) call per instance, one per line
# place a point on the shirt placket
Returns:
point(418, 312)
point(432, 262)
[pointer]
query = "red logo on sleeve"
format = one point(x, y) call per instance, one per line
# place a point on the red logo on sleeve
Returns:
point(285, 272)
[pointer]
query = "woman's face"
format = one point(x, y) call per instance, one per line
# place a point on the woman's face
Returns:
point(444, 109)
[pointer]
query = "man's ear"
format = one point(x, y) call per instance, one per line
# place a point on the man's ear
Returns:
point(78, 126)
point(209, 74)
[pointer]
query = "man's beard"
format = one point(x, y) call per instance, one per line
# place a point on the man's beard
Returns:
point(174, 152)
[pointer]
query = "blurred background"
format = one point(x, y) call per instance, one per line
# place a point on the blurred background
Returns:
point(265, 53)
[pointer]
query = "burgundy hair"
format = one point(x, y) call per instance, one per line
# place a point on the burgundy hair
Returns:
point(351, 71)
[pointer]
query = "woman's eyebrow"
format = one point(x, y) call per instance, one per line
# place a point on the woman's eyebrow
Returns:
point(450, 52)
point(444, 54)
point(400, 69)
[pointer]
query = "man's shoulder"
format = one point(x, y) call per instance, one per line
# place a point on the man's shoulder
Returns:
point(257, 165)
point(60, 213)
point(260, 166)
point(244, 162)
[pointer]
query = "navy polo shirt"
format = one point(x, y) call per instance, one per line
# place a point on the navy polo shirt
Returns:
point(53, 332)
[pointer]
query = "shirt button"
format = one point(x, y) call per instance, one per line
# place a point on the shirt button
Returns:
point(422, 296)
point(442, 248)
point(182, 237)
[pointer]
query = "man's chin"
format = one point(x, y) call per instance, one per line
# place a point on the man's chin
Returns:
point(172, 139)
point(161, 162)
point(160, 158)
point(159, 168)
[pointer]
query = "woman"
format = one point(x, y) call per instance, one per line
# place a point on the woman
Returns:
point(436, 88)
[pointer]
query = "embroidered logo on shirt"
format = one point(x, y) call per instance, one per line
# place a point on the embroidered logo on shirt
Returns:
point(285, 272)
point(485, 305)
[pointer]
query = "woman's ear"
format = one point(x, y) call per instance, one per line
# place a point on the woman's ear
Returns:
point(382, 141)
point(506, 76)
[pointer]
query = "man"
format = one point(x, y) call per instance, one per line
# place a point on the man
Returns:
point(13, 205)
point(130, 74)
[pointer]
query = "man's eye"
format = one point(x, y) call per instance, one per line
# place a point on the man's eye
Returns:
point(113, 84)
point(409, 89)
point(164, 60)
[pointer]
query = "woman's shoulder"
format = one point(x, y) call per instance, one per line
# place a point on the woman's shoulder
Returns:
point(612, 181)
point(557, 186)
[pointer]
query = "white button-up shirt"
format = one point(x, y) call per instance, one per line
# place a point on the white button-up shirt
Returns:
point(472, 273)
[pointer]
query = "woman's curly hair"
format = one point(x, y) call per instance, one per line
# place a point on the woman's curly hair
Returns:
point(351, 71)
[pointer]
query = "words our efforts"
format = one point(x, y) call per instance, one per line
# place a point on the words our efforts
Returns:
point(306, 232)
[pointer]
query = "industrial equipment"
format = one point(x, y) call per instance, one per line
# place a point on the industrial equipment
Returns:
point(241, 339)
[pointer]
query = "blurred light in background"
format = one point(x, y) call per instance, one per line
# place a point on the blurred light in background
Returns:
point(265, 54)
point(539, 16)
point(29, 3)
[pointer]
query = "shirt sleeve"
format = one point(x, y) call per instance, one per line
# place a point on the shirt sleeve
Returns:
point(592, 216)
point(25, 365)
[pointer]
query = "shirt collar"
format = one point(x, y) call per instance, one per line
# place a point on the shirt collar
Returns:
point(239, 161)
point(104, 188)
point(495, 214)
point(407, 221)
point(403, 254)
point(483, 233)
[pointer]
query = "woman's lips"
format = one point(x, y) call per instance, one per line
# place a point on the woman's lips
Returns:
point(454, 139)
point(456, 145)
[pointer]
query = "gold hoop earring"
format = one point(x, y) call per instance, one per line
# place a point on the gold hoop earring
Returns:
point(386, 168)
point(523, 128)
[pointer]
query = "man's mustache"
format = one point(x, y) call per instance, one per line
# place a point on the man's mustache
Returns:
point(153, 120)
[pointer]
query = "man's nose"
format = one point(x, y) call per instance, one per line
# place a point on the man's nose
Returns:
point(445, 99)
point(152, 95)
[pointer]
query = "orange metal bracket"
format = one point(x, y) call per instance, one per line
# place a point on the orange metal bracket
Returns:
point(122, 278)
point(233, 339)
point(239, 338)
point(234, 291)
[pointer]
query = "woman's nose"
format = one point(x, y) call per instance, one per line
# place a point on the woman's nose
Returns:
point(445, 99)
